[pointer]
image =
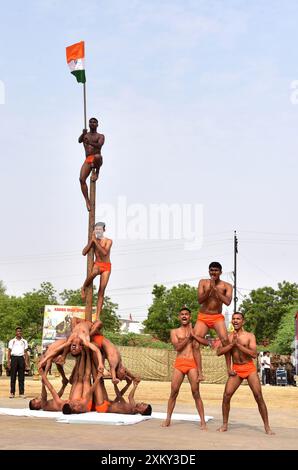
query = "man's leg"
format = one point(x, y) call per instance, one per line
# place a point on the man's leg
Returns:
point(13, 375)
point(192, 378)
point(255, 386)
point(177, 380)
point(90, 278)
point(96, 167)
point(267, 372)
point(87, 375)
point(85, 172)
point(231, 386)
point(221, 330)
point(104, 279)
point(77, 388)
point(201, 330)
point(21, 374)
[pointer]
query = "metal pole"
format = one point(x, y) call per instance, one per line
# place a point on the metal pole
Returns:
point(235, 270)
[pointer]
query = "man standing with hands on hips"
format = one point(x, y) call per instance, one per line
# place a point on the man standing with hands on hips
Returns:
point(18, 362)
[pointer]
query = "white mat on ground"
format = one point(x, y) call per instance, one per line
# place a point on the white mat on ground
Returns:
point(84, 418)
point(97, 418)
point(180, 416)
point(32, 413)
point(102, 418)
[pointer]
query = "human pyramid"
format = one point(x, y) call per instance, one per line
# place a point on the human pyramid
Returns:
point(90, 348)
point(86, 342)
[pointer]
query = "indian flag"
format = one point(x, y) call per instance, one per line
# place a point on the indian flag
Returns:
point(75, 56)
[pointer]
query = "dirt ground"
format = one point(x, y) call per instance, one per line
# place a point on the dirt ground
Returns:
point(245, 431)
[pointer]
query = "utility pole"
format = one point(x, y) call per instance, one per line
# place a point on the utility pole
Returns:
point(235, 270)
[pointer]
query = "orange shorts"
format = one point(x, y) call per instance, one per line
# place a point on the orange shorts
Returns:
point(244, 370)
point(210, 318)
point(98, 339)
point(90, 159)
point(184, 365)
point(103, 408)
point(103, 267)
point(90, 406)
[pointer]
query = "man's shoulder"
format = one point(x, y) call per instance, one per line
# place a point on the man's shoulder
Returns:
point(248, 334)
point(227, 284)
point(175, 330)
point(203, 281)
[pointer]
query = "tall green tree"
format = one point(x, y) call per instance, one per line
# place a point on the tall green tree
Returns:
point(25, 311)
point(162, 314)
point(265, 308)
point(284, 340)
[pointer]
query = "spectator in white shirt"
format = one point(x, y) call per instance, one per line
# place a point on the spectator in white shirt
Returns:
point(17, 362)
point(267, 366)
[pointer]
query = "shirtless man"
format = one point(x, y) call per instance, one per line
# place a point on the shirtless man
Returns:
point(80, 398)
point(102, 265)
point(212, 294)
point(242, 346)
point(42, 403)
point(111, 353)
point(80, 336)
point(182, 339)
point(92, 142)
point(103, 405)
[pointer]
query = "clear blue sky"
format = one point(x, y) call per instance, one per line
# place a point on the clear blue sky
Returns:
point(194, 98)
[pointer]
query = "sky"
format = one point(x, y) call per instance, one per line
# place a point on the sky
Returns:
point(197, 102)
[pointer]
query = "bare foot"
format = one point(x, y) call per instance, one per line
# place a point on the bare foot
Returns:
point(166, 423)
point(203, 427)
point(223, 428)
point(268, 431)
point(83, 294)
point(115, 381)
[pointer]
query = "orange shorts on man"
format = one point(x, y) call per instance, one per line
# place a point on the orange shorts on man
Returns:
point(210, 319)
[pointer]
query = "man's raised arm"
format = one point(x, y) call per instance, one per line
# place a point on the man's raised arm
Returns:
point(87, 247)
point(131, 396)
point(82, 136)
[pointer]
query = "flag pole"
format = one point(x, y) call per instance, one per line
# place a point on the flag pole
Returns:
point(85, 112)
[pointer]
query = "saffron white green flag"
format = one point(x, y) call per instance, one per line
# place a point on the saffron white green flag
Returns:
point(75, 56)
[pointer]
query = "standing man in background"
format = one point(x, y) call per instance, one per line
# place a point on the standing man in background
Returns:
point(267, 366)
point(17, 362)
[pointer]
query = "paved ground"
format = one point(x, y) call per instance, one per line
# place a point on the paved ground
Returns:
point(246, 430)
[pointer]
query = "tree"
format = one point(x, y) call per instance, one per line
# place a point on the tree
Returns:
point(265, 308)
point(162, 314)
point(25, 311)
point(2, 288)
point(286, 333)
